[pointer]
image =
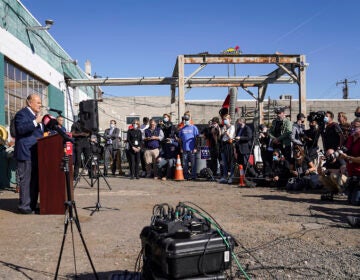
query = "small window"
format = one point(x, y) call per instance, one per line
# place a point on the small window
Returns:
point(129, 120)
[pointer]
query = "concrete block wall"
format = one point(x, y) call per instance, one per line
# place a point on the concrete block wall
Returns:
point(202, 111)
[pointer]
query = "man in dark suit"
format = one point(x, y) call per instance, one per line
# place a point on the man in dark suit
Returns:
point(28, 129)
point(244, 137)
point(112, 147)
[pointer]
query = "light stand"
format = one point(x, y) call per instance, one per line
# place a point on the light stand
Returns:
point(71, 216)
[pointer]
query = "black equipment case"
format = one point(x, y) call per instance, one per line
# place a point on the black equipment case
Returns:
point(183, 255)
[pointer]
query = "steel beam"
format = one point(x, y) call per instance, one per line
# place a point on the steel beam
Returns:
point(241, 59)
point(199, 81)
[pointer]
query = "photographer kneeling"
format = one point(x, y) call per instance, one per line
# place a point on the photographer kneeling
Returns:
point(332, 174)
point(302, 169)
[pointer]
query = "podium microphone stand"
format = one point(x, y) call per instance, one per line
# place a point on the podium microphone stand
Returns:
point(71, 215)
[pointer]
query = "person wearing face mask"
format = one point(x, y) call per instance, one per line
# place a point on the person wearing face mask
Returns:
point(352, 158)
point(153, 137)
point(188, 148)
point(298, 129)
point(134, 139)
point(311, 137)
point(280, 133)
point(332, 136)
point(112, 146)
point(227, 150)
point(279, 172)
point(243, 145)
point(168, 128)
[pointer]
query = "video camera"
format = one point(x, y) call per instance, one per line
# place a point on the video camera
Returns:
point(317, 116)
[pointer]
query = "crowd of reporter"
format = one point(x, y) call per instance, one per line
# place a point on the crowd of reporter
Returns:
point(290, 154)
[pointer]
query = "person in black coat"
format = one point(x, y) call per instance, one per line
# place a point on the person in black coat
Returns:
point(134, 139)
point(243, 138)
point(279, 173)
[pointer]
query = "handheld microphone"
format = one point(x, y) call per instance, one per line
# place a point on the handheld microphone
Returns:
point(53, 110)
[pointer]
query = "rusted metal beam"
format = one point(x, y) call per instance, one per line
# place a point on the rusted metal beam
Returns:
point(241, 59)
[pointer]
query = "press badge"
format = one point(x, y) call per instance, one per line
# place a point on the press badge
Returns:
point(136, 143)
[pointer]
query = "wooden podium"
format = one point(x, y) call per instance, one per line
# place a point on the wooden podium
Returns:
point(52, 182)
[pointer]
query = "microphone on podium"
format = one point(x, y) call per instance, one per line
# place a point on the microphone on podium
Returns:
point(51, 123)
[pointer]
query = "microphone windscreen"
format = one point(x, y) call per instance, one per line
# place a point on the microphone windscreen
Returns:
point(49, 121)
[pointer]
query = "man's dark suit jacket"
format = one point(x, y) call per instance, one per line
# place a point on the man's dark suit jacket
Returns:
point(26, 135)
point(245, 142)
point(114, 136)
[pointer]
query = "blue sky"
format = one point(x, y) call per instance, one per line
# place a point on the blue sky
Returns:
point(128, 38)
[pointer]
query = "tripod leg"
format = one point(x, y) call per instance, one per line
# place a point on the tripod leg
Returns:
point(62, 246)
point(77, 223)
point(73, 247)
point(102, 175)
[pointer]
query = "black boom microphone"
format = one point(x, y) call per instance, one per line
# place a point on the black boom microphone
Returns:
point(51, 123)
point(53, 110)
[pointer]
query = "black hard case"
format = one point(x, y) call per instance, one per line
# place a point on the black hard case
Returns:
point(177, 258)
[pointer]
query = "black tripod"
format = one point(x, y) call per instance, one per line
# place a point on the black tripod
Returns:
point(70, 217)
point(95, 175)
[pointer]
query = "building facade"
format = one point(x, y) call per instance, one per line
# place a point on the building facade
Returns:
point(31, 61)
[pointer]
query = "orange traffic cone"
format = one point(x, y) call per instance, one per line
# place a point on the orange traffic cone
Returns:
point(242, 176)
point(179, 175)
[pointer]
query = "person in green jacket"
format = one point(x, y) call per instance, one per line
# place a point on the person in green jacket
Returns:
point(280, 133)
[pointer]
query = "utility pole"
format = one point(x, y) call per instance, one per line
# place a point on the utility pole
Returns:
point(345, 82)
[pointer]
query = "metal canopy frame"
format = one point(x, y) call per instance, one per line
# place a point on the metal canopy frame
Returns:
point(290, 69)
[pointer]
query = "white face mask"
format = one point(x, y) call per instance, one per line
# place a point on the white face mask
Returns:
point(112, 125)
point(135, 126)
point(166, 119)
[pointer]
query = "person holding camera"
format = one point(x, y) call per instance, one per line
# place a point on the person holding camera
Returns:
point(332, 174)
point(352, 158)
point(280, 133)
point(301, 169)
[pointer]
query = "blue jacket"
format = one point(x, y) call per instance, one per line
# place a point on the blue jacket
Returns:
point(26, 135)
